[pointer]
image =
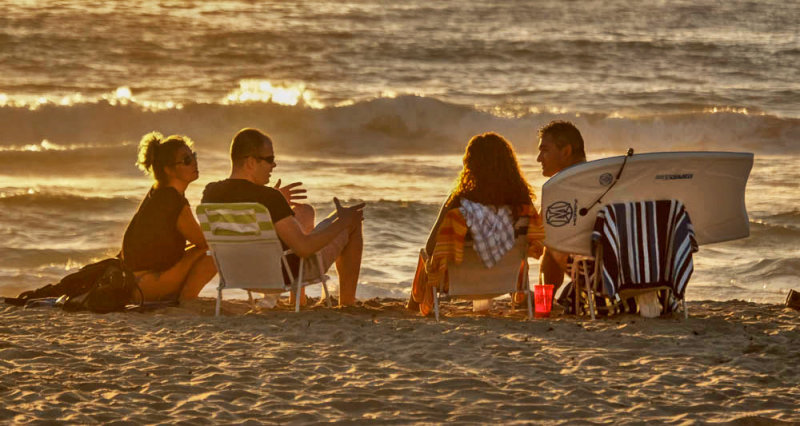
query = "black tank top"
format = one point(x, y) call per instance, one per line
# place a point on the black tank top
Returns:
point(152, 241)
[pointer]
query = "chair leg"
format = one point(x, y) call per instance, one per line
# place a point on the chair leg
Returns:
point(219, 301)
point(327, 294)
point(576, 289)
point(528, 293)
point(436, 303)
point(529, 296)
point(299, 286)
point(221, 283)
point(589, 292)
point(324, 282)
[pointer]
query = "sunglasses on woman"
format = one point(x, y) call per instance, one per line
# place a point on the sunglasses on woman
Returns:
point(187, 160)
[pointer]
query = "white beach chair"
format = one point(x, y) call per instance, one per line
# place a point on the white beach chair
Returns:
point(472, 280)
point(249, 255)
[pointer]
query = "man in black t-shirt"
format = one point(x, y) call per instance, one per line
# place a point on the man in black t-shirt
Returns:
point(338, 238)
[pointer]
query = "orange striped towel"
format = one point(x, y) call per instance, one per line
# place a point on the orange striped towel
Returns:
point(535, 235)
point(450, 247)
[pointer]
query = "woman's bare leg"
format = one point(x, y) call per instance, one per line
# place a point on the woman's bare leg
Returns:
point(201, 273)
point(167, 284)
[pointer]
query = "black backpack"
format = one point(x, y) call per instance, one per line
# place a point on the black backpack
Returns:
point(104, 286)
point(111, 289)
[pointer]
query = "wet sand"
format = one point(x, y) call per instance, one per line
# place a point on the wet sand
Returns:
point(729, 362)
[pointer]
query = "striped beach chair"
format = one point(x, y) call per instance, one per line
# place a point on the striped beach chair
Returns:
point(639, 248)
point(249, 255)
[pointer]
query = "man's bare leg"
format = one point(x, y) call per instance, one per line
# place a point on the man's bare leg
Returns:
point(348, 266)
point(305, 216)
point(552, 268)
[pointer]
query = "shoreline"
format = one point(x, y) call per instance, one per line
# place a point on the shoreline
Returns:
point(730, 361)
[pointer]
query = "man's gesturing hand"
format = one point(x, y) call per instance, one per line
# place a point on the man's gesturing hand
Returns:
point(291, 192)
point(352, 215)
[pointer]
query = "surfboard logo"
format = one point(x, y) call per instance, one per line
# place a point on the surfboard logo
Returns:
point(606, 179)
point(675, 176)
point(559, 214)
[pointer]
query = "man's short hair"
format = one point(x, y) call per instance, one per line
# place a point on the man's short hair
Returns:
point(247, 143)
point(565, 133)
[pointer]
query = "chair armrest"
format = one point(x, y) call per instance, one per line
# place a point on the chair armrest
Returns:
point(290, 251)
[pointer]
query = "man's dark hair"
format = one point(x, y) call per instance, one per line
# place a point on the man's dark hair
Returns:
point(247, 143)
point(565, 133)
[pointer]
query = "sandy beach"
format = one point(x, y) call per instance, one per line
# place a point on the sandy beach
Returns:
point(375, 102)
point(729, 362)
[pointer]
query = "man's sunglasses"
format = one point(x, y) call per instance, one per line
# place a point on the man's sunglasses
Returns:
point(269, 159)
point(188, 160)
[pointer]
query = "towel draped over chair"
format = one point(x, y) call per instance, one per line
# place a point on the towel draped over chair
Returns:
point(645, 244)
point(492, 230)
point(450, 247)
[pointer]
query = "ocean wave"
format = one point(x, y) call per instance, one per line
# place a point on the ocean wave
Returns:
point(22, 258)
point(64, 159)
point(784, 217)
point(764, 236)
point(77, 204)
point(769, 268)
point(786, 223)
point(400, 221)
point(390, 126)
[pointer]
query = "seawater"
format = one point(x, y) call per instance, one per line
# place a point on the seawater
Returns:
point(56, 222)
point(374, 101)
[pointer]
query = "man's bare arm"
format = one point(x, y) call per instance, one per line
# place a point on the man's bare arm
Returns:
point(304, 245)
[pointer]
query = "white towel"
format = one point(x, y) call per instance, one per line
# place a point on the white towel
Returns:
point(491, 228)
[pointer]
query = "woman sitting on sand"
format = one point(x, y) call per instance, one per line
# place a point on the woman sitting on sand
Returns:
point(492, 186)
point(155, 243)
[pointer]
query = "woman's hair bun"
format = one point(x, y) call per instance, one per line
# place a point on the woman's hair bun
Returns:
point(148, 147)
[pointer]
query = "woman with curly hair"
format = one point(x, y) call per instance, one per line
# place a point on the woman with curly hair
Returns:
point(493, 200)
point(155, 243)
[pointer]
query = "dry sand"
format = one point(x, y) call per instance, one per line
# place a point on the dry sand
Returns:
point(729, 362)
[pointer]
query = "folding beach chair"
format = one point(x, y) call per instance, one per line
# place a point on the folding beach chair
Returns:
point(639, 247)
point(249, 255)
point(471, 280)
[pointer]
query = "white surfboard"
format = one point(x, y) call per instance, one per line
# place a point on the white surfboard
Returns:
point(711, 186)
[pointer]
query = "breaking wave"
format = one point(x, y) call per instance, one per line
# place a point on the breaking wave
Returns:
point(383, 126)
point(66, 202)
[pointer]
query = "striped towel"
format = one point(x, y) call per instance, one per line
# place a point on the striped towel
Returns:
point(235, 222)
point(645, 244)
point(491, 229)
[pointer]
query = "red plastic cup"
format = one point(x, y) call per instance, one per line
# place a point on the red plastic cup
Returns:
point(543, 298)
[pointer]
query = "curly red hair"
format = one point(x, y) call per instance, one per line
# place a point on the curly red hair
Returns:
point(491, 174)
